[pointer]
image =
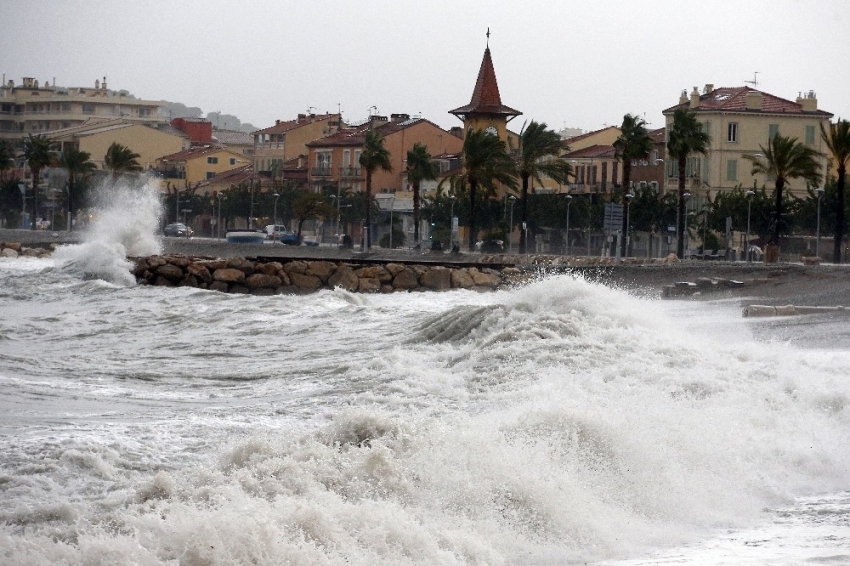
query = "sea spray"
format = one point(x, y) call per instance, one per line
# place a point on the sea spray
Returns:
point(125, 219)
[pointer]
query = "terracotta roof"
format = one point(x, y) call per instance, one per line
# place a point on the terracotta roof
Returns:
point(734, 99)
point(485, 96)
point(588, 134)
point(233, 137)
point(659, 135)
point(592, 151)
point(232, 176)
point(282, 127)
point(193, 152)
point(357, 136)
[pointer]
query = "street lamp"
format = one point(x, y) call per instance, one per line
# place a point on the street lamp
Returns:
point(686, 197)
point(185, 211)
point(274, 229)
point(221, 197)
point(511, 225)
point(820, 191)
point(750, 195)
point(569, 202)
point(628, 197)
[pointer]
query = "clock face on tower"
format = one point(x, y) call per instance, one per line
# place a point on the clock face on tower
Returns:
point(491, 129)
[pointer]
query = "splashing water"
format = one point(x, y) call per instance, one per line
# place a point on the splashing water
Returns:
point(125, 224)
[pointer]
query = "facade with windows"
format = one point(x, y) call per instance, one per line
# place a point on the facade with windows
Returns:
point(287, 140)
point(740, 121)
point(34, 109)
point(198, 164)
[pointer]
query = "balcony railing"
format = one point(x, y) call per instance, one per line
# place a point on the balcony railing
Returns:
point(348, 172)
point(322, 172)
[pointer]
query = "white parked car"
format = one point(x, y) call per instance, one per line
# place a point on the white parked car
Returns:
point(272, 230)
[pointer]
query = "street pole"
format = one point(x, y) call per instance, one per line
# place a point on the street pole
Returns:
point(569, 202)
point(392, 205)
point(628, 198)
point(452, 221)
point(274, 230)
point(511, 226)
point(23, 188)
point(685, 235)
point(177, 205)
point(218, 222)
point(749, 208)
point(820, 191)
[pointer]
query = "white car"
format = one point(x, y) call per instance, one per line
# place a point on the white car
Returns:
point(272, 230)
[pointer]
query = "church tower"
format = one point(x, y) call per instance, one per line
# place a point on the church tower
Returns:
point(485, 111)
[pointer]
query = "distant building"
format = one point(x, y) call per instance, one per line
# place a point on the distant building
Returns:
point(591, 156)
point(198, 164)
point(41, 109)
point(739, 121)
point(199, 130)
point(287, 140)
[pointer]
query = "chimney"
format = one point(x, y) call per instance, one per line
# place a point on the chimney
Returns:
point(11, 83)
point(809, 101)
point(97, 84)
point(754, 100)
point(277, 122)
point(683, 97)
point(35, 84)
point(396, 118)
point(694, 98)
point(709, 88)
point(301, 118)
point(104, 83)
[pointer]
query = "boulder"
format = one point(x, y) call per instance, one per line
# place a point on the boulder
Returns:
point(321, 269)
point(378, 272)
point(220, 286)
point(406, 279)
point(437, 278)
point(295, 267)
point(241, 289)
point(270, 268)
point(461, 279)
point(243, 265)
point(482, 279)
point(200, 271)
point(188, 281)
point(12, 246)
point(306, 282)
point(262, 281)
point(170, 272)
point(180, 261)
point(368, 285)
point(229, 275)
point(345, 278)
point(9, 252)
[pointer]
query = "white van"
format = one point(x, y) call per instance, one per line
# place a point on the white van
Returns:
point(272, 230)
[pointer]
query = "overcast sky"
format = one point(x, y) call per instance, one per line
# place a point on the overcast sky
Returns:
point(565, 62)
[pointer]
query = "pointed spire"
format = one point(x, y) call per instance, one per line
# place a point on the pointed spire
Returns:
point(485, 96)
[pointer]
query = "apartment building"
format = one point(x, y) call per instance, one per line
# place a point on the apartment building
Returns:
point(287, 140)
point(198, 164)
point(31, 108)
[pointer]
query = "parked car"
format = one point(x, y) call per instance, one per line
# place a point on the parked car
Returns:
point(273, 230)
point(178, 229)
point(289, 237)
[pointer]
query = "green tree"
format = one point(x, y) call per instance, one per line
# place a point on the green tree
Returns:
point(633, 143)
point(685, 137)
point(120, 160)
point(486, 163)
point(837, 140)
point(38, 155)
point(419, 168)
point(310, 205)
point(538, 156)
point(78, 164)
point(7, 159)
point(374, 156)
point(783, 159)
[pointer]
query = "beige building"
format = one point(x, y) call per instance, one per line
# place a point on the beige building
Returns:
point(40, 109)
point(198, 164)
point(287, 140)
point(741, 120)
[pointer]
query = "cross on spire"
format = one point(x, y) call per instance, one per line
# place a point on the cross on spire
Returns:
point(488, 37)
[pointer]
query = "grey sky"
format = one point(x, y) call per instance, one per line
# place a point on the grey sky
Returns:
point(567, 63)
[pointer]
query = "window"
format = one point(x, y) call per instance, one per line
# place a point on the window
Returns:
point(212, 160)
point(346, 158)
point(233, 161)
point(732, 170)
point(604, 175)
point(810, 135)
point(732, 132)
point(615, 168)
point(210, 174)
point(88, 108)
point(772, 130)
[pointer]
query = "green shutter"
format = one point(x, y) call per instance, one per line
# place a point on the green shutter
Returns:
point(773, 129)
point(732, 170)
point(810, 135)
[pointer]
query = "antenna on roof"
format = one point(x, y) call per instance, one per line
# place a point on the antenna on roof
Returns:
point(755, 81)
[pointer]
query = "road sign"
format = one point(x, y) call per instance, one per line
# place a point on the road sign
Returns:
point(613, 217)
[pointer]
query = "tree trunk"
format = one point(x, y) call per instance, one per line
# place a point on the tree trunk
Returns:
point(522, 243)
point(35, 173)
point(416, 214)
point(367, 237)
point(473, 188)
point(680, 221)
point(838, 242)
point(777, 212)
point(627, 180)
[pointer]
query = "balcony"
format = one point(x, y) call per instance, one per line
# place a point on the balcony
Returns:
point(349, 172)
point(321, 172)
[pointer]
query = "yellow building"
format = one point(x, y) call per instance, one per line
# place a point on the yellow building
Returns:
point(198, 164)
point(287, 140)
point(741, 120)
point(33, 109)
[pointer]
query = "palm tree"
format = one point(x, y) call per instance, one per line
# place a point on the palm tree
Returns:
point(634, 143)
point(538, 156)
point(486, 163)
point(785, 158)
point(78, 164)
point(419, 168)
point(120, 160)
point(7, 158)
point(686, 136)
point(837, 140)
point(38, 156)
point(374, 155)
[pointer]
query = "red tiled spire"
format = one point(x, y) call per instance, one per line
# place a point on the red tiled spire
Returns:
point(485, 97)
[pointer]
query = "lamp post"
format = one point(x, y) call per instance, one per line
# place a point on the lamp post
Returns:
point(177, 205)
point(186, 211)
point(221, 197)
point(23, 188)
point(452, 221)
point(687, 197)
point(511, 225)
point(569, 202)
point(274, 230)
point(704, 223)
point(392, 206)
point(820, 191)
point(750, 195)
point(628, 198)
